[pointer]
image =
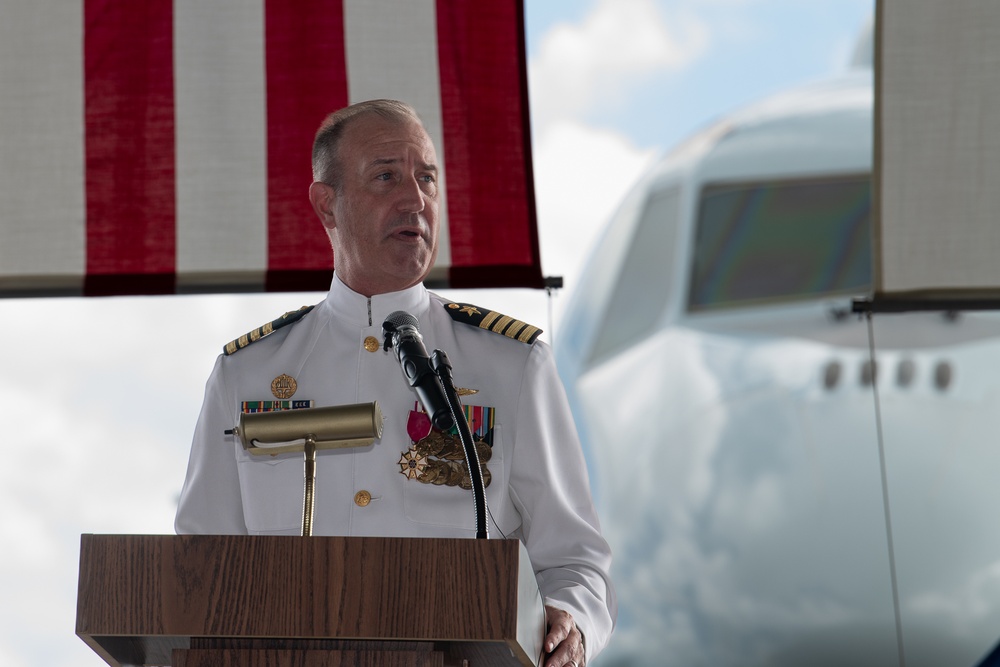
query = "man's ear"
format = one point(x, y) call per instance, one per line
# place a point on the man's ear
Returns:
point(322, 197)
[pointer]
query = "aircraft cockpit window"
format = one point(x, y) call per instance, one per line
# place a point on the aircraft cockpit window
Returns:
point(781, 241)
point(641, 288)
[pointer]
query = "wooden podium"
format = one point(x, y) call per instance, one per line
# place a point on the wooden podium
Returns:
point(249, 601)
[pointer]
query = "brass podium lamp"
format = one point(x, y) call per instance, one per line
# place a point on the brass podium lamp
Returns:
point(307, 430)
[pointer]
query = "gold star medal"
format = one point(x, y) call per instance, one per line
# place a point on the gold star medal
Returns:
point(284, 386)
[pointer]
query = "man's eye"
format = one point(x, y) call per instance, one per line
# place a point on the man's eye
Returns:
point(383, 176)
point(428, 178)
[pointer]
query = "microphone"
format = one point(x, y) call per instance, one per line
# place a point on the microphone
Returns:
point(401, 334)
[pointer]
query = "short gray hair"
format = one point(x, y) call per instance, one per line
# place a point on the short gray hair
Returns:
point(325, 158)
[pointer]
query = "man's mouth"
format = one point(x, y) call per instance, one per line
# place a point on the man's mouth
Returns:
point(408, 232)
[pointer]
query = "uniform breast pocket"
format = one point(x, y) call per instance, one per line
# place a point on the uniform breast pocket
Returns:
point(440, 494)
point(272, 488)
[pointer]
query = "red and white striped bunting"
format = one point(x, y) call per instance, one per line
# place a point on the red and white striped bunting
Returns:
point(163, 146)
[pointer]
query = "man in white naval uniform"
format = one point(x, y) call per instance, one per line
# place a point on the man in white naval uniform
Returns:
point(375, 191)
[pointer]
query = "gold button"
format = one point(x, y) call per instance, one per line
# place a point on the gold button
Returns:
point(362, 498)
point(371, 344)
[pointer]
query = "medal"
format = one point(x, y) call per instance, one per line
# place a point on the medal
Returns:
point(284, 386)
point(437, 457)
point(412, 464)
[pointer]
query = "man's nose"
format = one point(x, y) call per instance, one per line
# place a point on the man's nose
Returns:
point(411, 196)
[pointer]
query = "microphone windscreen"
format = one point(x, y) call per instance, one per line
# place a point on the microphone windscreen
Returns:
point(400, 318)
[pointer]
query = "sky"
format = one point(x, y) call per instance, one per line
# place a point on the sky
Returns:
point(101, 395)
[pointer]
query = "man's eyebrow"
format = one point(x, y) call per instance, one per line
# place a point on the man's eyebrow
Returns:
point(380, 161)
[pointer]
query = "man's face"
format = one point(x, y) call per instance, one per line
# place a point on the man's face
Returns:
point(384, 220)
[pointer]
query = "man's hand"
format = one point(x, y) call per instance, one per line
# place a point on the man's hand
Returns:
point(563, 643)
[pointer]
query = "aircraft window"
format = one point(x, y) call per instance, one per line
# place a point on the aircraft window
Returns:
point(763, 242)
point(642, 287)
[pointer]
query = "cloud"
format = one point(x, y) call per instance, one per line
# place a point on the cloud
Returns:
point(972, 602)
point(100, 400)
point(619, 45)
point(582, 174)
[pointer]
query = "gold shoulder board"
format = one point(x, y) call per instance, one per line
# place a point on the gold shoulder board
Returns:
point(290, 317)
point(493, 321)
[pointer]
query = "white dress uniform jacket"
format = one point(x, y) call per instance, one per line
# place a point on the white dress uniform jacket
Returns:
point(539, 491)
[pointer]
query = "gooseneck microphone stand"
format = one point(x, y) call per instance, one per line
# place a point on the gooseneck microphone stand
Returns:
point(442, 368)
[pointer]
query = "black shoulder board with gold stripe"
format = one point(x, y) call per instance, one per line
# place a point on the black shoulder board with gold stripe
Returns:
point(493, 321)
point(290, 317)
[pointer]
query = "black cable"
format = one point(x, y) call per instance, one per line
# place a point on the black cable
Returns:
point(885, 491)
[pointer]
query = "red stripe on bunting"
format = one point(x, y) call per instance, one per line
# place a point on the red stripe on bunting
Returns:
point(306, 80)
point(491, 205)
point(129, 126)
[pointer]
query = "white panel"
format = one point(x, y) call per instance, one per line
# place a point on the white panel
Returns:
point(221, 141)
point(42, 228)
point(392, 53)
point(937, 133)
